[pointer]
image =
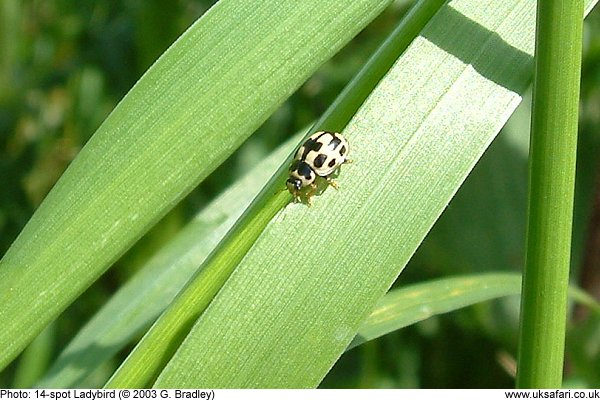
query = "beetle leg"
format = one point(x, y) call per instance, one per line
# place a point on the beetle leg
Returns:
point(310, 193)
point(332, 183)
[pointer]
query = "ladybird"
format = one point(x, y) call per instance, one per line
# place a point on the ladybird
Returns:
point(321, 155)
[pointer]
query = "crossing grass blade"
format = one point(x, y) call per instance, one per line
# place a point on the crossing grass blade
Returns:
point(406, 306)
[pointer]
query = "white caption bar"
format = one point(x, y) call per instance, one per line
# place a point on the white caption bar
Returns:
point(294, 394)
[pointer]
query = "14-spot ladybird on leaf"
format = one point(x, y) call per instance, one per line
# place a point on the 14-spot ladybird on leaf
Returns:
point(321, 155)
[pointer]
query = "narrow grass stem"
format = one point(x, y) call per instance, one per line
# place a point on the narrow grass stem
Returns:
point(551, 180)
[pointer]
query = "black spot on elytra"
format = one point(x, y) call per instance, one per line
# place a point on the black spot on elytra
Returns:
point(304, 170)
point(319, 160)
point(311, 145)
point(343, 150)
point(332, 162)
point(335, 142)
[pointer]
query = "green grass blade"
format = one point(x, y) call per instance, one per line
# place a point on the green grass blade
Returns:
point(298, 297)
point(197, 103)
point(137, 304)
point(551, 191)
point(406, 306)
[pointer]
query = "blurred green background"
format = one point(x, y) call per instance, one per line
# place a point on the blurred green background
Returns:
point(64, 66)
